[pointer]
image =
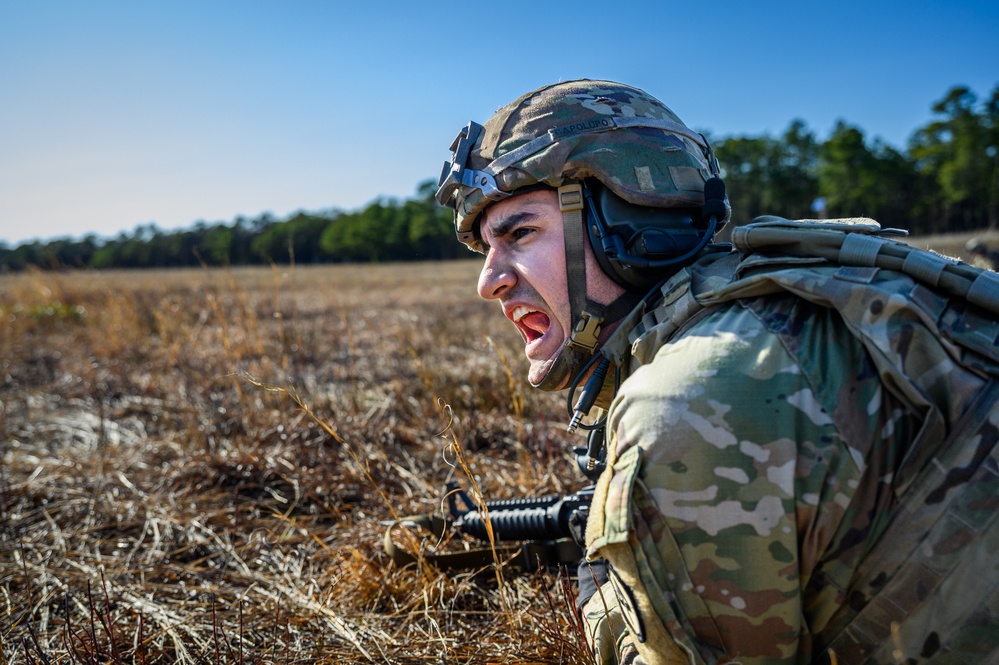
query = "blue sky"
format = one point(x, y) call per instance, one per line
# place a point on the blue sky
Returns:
point(115, 114)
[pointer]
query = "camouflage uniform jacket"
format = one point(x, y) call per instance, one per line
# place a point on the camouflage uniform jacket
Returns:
point(758, 450)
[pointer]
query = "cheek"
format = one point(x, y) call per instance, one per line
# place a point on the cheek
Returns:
point(553, 288)
point(544, 267)
point(554, 264)
point(599, 287)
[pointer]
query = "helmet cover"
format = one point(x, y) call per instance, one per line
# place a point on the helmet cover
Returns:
point(620, 135)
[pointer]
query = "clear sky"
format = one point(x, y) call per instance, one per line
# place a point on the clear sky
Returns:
point(115, 113)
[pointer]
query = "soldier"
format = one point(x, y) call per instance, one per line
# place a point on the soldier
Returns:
point(786, 438)
point(982, 255)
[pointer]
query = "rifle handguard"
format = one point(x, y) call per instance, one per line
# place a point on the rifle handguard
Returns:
point(546, 518)
point(543, 526)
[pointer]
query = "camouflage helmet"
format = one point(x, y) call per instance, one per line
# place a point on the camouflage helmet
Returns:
point(605, 146)
point(619, 135)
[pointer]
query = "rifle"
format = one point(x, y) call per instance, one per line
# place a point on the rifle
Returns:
point(546, 519)
point(526, 533)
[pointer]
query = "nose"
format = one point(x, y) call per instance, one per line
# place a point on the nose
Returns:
point(496, 276)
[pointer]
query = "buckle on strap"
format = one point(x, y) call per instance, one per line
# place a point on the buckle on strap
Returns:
point(570, 197)
point(584, 335)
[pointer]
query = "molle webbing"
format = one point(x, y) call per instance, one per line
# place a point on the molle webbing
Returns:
point(861, 242)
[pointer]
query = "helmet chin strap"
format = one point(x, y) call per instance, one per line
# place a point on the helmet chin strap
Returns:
point(587, 316)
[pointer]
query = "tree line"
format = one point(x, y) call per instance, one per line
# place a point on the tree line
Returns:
point(384, 230)
point(946, 180)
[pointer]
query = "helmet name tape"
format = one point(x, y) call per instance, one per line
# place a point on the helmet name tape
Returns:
point(580, 127)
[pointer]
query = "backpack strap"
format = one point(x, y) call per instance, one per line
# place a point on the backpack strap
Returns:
point(861, 242)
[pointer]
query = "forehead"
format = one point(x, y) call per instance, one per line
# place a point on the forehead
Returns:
point(539, 206)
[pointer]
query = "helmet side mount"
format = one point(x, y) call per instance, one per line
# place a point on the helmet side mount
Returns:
point(455, 173)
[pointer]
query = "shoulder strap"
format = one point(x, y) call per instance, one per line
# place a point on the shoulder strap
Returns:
point(647, 328)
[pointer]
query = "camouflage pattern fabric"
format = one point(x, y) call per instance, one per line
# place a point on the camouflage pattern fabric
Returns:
point(765, 443)
point(620, 135)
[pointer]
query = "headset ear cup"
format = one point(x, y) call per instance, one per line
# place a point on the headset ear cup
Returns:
point(635, 245)
point(607, 245)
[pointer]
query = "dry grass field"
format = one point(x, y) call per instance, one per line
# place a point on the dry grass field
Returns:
point(199, 467)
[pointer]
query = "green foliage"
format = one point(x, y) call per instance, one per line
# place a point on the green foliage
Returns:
point(857, 179)
point(297, 239)
point(764, 175)
point(385, 230)
point(947, 180)
point(959, 155)
point(355, 237)
point(418, 229)
point(431, 227)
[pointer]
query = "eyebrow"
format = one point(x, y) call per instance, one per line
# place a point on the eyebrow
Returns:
point(504, 226)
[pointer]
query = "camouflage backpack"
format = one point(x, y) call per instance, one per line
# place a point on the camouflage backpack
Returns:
point(932, 578)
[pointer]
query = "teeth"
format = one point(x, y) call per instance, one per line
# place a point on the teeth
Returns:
point(521, 312)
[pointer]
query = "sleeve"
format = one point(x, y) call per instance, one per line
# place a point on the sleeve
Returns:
point(610, 639)
point(720, 453)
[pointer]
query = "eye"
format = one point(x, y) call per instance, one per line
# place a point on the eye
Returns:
point(521, 232)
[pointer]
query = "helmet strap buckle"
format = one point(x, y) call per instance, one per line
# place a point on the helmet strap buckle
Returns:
point(584, 335)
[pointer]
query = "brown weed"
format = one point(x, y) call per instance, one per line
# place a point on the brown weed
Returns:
point(199, 467)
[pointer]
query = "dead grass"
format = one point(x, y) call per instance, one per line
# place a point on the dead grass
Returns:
point(199, 467)
point(953, 244)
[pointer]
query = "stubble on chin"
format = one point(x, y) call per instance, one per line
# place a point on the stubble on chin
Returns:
point(540, 369)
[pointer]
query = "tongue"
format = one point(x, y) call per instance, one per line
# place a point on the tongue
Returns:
point(536, 321)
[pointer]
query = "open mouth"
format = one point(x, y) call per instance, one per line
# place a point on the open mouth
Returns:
point(532, 324)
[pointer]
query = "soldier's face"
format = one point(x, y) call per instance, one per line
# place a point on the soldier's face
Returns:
point(525, 271)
